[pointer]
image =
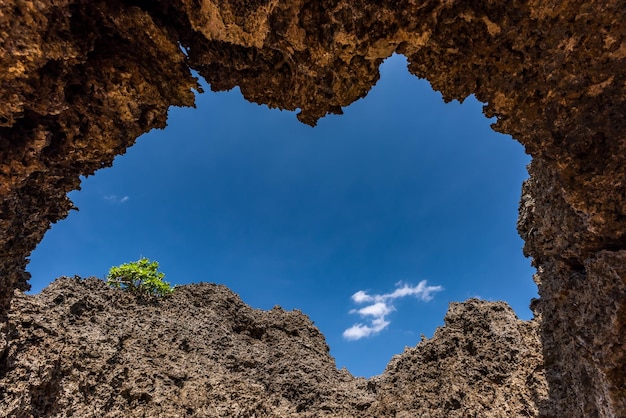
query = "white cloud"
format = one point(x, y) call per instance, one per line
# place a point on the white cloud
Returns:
point(421, 291)
point(114, 199)
point(382, 306)
point(377, 310)
point(358, 331)
point(361, 296)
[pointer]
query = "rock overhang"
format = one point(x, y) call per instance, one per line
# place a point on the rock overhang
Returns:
point(84, 79)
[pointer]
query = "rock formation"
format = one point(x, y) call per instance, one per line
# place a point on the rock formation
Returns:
point(83, 349)
point(81, 79)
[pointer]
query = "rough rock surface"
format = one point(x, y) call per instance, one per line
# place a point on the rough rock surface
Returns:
point(80, 79)
point(484, 362)
point(83, 349)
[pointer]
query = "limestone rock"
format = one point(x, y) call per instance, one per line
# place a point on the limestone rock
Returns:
point(81, 79)
point(83, 349)
point(483, 362)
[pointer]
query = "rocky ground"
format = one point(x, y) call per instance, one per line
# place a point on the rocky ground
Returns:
point(83, 349)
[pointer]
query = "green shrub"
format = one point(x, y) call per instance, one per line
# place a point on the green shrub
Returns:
point(139, 277)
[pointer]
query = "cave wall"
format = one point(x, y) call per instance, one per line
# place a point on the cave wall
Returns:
point(79, 82)
point(82, 79)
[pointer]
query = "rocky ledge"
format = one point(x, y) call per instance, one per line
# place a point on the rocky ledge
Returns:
point(83, 349)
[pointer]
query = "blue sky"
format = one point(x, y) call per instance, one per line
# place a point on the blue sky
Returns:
point(370, 223)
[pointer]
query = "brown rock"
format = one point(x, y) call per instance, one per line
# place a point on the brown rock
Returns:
point(80, 80)
point(484, 362)
point(82, 349)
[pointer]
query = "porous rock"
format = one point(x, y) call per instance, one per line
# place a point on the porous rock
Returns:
point(81, 79)
point(83, 349)
point(484, 362)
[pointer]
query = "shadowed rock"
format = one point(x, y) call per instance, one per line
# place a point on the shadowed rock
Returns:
point(82, 79)
point(84, 349)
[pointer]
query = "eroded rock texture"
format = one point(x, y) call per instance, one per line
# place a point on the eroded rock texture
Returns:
point(483, 362)
point(83, 349)
point(79, 82)
point(81, 79)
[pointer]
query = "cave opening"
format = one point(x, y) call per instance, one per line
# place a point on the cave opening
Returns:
point(400, 188)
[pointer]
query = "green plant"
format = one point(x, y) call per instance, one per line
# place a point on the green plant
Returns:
point(139, 277)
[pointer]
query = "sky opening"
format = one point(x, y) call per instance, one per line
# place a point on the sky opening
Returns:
point(370, 223)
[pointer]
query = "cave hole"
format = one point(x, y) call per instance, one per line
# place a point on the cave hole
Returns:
point(401, 188)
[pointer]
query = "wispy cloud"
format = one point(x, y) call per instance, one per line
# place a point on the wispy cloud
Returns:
point(115, 199)
point(379, 306)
